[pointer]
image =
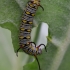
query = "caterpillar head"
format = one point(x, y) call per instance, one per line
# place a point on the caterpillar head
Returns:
point(36, 2)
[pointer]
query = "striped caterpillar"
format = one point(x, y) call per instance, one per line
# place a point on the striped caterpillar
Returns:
point(25, 31)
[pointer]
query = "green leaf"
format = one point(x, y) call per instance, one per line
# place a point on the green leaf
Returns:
point(56, 14)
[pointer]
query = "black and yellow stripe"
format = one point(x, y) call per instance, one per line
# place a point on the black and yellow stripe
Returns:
point(25, 30)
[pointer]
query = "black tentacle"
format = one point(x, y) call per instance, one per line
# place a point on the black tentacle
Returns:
point(38, 62)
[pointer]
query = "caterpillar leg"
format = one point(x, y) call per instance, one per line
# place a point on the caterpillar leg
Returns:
point(37, 62)
point(43, 45)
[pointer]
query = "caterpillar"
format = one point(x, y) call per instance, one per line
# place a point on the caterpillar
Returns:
point(25, 31)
